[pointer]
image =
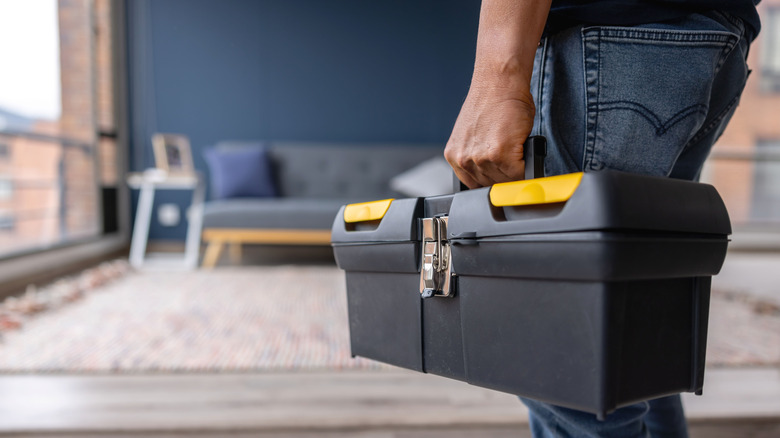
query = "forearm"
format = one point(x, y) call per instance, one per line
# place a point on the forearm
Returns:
point(509, 33)
point(486, 144)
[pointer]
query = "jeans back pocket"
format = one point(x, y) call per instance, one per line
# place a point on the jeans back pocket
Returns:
point(647, 92)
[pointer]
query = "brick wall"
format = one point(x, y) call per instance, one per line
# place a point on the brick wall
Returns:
point(757, 118)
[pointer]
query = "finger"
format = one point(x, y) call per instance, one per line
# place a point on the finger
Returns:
point(469, 173)
point(466, 178)
point(488, 174)
point(513, 167)
point(513, 172)
point(498, 168)
point(482, 173)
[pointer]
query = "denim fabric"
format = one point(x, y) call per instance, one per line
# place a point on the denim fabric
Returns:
point(648, 99)
point(659, 418)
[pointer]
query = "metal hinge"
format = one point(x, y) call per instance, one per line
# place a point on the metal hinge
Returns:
point(436, 266)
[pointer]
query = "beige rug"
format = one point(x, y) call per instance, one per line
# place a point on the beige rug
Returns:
point(264, 318)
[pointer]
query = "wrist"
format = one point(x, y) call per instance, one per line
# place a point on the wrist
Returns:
point(504, 61)
point(509, 73)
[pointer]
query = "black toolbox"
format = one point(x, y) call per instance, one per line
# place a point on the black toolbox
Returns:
point(589, 291)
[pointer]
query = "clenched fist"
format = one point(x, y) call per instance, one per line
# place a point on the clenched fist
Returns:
point(486, 144)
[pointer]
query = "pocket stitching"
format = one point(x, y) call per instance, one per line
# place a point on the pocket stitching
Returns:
point(652, 35)
point(595, 35)
point(661, 128)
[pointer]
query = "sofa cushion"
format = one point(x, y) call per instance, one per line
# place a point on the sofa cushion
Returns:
point(432, 177)
point(283, 213)
point(327, 170)
point(240, 172)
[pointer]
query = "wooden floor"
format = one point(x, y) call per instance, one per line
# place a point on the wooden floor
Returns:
point(737, 403)
point(731, 430)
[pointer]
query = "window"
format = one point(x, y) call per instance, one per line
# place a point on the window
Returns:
point(770, 50)
point(7, 222)
point(6, 189)
point(56, 106)
point(765, 205)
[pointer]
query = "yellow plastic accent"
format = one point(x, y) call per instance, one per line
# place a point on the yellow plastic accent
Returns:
point(366, 211)
point(535, 191)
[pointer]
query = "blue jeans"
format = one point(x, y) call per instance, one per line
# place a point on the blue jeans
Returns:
point(648, 99)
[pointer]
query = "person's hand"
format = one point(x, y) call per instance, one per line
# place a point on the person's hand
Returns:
point(486, 144)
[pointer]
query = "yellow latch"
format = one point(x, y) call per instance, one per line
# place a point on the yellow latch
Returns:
point(366, 211)
point(535, 191)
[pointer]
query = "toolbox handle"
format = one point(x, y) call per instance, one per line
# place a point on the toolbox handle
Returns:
point(534, 152)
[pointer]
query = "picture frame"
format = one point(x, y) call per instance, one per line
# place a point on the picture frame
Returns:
point(173, 154)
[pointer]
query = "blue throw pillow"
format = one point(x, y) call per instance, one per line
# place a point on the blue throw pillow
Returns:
point(240, 173)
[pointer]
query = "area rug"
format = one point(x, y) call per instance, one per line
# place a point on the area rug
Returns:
point(227, 319)
point(264, 319)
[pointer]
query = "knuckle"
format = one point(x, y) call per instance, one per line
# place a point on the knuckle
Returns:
point(481, 160)
point(450, 155)
point(494, 155)
point(463, 161)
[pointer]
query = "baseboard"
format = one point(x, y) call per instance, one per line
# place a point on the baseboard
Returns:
point(46, 266)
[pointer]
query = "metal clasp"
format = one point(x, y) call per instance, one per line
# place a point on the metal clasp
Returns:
point(436, 266)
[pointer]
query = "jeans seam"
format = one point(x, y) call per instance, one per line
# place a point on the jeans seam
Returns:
point(661, 127)
point(726, 51)
point(541, 85)
point(592, 82)
point(585, 88)
point(650, 35)
point(715, 122)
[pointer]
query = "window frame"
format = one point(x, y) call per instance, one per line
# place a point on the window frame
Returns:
point(40, 264)
point(770, 50)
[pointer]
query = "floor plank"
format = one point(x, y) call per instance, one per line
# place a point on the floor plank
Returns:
point(728, 430)
point(371, 404)
point(247, 402)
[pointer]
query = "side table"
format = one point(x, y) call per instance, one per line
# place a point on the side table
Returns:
point(148, 182)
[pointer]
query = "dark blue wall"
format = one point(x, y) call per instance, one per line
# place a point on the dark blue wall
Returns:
point(339, 70)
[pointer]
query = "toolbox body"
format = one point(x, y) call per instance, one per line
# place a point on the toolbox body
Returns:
point(592, 300)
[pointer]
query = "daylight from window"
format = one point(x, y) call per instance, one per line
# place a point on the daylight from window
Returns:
point(48, 186)
point(29, 38)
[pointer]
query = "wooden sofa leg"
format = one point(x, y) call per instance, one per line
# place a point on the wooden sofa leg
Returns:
point(212, 254)
point(235, 252)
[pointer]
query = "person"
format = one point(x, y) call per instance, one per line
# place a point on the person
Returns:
point(634, 85)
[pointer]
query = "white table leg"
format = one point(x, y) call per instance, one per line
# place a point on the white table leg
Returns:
point(195, 225)
point(143, 217)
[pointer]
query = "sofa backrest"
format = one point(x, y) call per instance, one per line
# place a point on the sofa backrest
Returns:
point(330, 170)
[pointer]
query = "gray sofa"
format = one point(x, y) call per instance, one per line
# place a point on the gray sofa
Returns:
point(313, 180)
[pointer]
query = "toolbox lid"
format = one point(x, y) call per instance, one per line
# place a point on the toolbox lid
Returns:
point(388, 220)
point(602, 200)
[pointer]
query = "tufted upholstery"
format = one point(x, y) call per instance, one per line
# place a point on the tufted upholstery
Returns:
point(314, 179)
point(311, 170)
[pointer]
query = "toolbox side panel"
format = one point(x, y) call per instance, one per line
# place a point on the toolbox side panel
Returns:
point(701, 314)
point(385, 317)
point(442, 341)
point(661, 342)
point(592, 346)
point(539, 339)
point(378, 257)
